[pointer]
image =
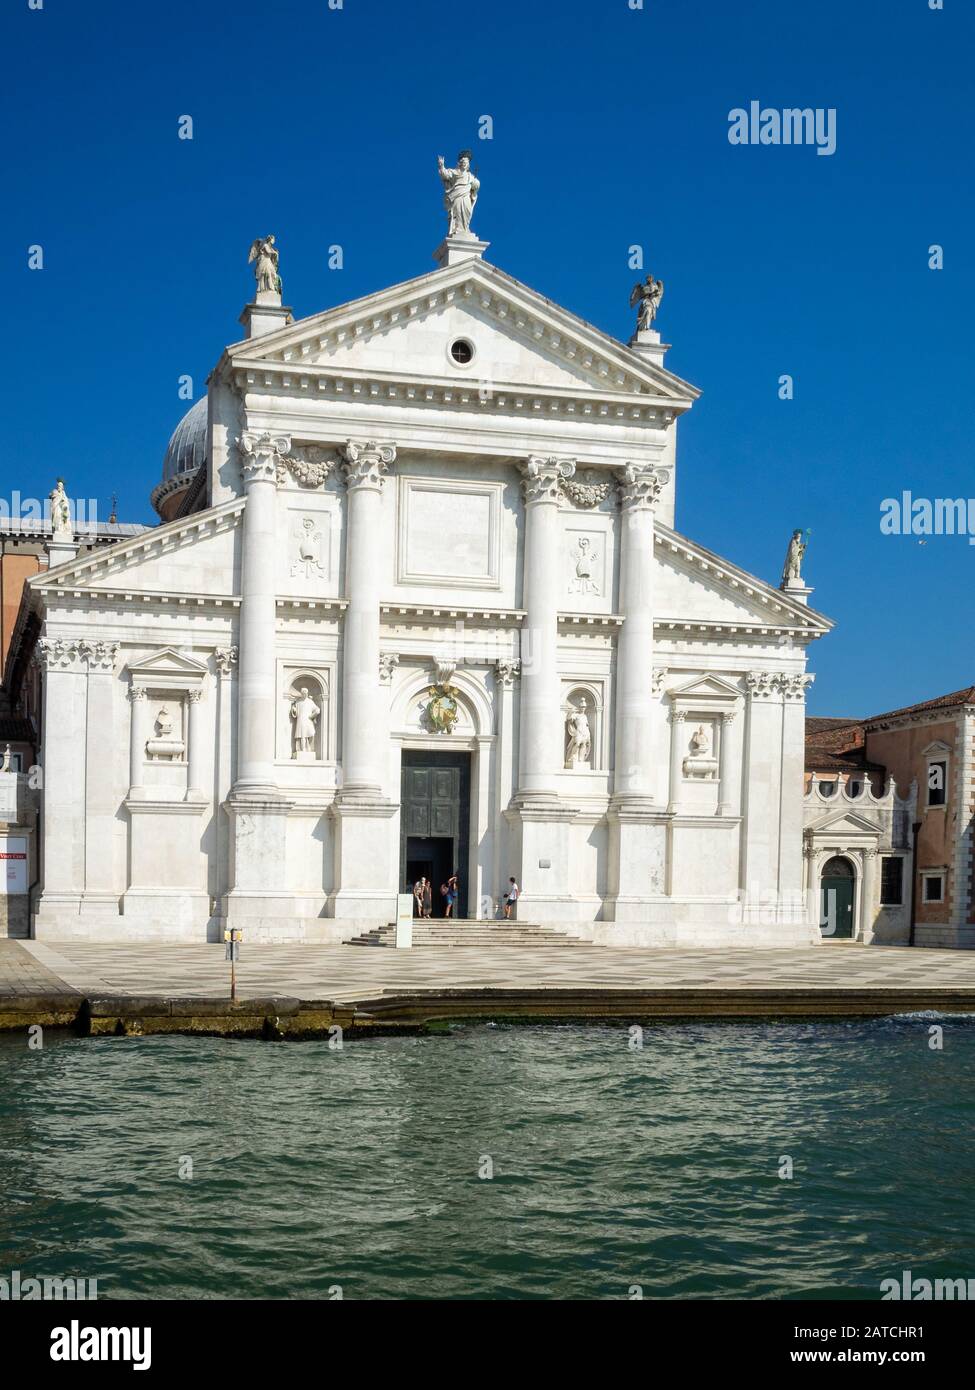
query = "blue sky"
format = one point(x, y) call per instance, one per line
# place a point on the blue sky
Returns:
point(610, 128)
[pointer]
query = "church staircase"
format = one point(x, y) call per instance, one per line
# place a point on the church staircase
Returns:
point(469, 932)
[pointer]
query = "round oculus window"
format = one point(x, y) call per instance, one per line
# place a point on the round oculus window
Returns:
point(462, 351)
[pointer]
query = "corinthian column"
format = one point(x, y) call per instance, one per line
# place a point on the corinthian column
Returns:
point(637, 862)
point(640, 487)
point(365, 733)
point(261, 455)
point(540, 754)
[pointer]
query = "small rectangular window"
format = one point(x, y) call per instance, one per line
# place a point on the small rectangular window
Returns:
point(937, 783)
point(891, 881)
point(934, 888)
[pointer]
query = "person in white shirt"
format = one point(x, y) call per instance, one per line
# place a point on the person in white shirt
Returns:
point(511, 897)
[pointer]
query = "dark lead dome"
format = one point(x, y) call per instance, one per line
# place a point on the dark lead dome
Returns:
point(185, 456)
point(187, 448)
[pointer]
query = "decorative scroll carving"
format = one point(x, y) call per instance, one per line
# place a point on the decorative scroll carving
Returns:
point(582, 580)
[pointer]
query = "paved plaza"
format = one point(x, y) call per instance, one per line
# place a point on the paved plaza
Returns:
point(347, 974)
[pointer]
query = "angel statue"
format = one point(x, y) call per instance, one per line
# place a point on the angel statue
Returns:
point(460, 189)
point(265, 253)
point(792, 569)
point(647, 293)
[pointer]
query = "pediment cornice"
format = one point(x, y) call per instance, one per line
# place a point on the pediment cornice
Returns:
point(607, 368)
point(104, 566)
point(784, 612)
point(842, 821)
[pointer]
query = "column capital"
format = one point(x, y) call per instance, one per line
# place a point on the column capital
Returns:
point(541, 478)
point(100, 656)
point(226, 659)
point(388, 661)
point(364, 462)
point(137, 694)
point(640, 485)
point(262, 454)
point(761, 685)
point(794, 687)
point(505, 672)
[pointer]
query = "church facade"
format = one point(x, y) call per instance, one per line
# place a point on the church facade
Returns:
point(417, 606)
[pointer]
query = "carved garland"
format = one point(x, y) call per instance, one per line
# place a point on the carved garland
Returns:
point(588, 490)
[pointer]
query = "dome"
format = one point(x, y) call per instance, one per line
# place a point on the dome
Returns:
point(188, 446)
point(186, 454)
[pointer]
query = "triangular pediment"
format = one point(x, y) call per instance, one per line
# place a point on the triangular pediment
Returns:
point(708, 687)
point(168, 662)
point(697, 590)
point(195, 557)
point(520, 340)
point(843, 822)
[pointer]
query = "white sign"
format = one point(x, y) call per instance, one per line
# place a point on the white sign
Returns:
point(13, 862)
point(404, 920)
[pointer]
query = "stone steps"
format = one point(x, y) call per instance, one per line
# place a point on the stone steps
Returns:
point(469, 933)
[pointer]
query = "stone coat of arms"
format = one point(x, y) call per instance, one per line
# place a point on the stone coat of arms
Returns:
point(442, 710)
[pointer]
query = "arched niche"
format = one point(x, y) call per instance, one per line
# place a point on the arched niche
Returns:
point(305, 731)
point(413, 692)
point(583, 698)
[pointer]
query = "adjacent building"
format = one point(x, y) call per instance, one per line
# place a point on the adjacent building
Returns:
point(856, 770)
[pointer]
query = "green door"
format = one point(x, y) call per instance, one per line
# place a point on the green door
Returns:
point(836, 912)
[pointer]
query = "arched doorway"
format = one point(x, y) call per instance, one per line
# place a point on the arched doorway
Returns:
point(836, 902)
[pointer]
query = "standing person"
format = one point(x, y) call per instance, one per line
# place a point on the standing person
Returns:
point(427, 898)
point(511, 897)
point(418, 898)
point(451, 895)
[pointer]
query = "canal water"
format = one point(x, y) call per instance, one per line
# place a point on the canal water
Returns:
point(495, 1162)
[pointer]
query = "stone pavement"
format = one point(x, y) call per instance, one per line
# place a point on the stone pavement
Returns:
point(348, 974)
point(23, 974)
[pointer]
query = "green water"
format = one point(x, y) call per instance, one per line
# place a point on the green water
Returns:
point(612, 1167)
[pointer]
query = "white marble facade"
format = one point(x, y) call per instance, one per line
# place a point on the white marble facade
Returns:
point(398, 554)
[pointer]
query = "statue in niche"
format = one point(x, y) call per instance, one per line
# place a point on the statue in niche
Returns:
point(61, 525)
point(304, 730)
point(165, 742)
point(578, 736)
point(792, 569)
point(647, 294)
point(460, 194)
point(700, 761)
point(264, 252)
point(309, 562)
point(582, 581)
point(701, 742)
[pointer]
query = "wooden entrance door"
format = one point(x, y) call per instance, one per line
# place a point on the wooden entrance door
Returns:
point(836, 912)
point(435, 822)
